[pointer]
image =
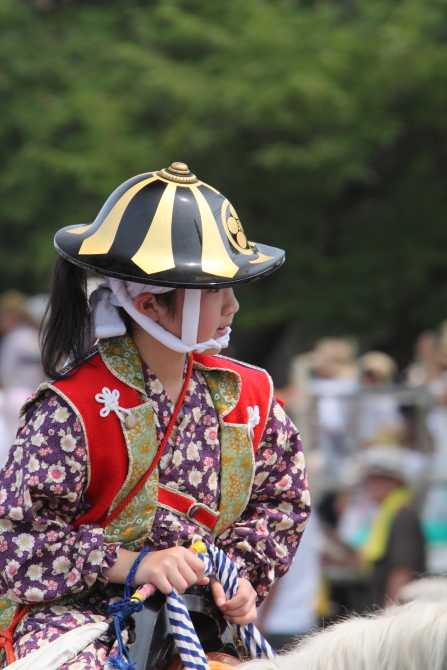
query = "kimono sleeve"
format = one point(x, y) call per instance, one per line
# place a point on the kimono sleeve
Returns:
point(41, 491)
point(265, 538)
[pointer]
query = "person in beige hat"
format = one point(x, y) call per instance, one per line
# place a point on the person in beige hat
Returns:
point(394, 551)
point(377, 368)
point(332, 384)
point(334, 358)
point(379, 417)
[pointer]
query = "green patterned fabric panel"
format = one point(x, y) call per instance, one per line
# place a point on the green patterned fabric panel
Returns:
point(224, 386)
point(134, 522)
point(121, 357)
point(236, 474)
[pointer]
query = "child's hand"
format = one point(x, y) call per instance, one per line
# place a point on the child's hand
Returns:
point(241, 609)
point(176, 567)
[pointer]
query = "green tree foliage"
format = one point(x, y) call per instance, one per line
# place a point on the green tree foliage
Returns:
point(325, 123)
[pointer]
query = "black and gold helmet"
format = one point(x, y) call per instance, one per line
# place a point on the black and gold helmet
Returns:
point(168, 228)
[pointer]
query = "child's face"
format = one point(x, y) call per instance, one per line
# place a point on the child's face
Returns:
point(217, 308)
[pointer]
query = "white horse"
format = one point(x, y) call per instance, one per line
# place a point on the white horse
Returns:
point(412, 636)
point(427, 588)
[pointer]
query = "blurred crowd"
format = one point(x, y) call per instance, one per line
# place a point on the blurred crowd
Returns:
point(375, 440)
point(20, 368)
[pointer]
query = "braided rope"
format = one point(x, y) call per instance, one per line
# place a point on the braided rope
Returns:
point(185, 636)
point(227, 575)
point(190, 650)
point(120, 611)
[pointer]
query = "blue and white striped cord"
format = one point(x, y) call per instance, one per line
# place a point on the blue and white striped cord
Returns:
point(184, 633)
point(185, 636)
point(217, 562)
point(227, 575)
point(188, 645)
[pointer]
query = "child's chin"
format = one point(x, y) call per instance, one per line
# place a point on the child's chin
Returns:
point(212, 352)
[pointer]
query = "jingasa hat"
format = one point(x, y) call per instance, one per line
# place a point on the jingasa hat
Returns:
point(160, 231)
point(168, 229)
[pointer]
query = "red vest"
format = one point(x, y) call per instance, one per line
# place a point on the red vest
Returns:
point(107, 451)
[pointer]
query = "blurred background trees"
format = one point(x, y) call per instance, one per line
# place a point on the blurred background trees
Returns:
point(325, 123)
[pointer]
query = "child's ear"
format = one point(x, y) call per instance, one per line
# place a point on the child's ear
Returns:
point(147, 304)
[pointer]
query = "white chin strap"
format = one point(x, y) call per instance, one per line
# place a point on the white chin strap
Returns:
point(107, 322)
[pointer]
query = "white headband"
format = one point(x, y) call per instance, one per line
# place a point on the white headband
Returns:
point(107, 322)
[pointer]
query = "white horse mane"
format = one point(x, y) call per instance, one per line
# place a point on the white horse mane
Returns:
point(412, 636)
point(427, 588)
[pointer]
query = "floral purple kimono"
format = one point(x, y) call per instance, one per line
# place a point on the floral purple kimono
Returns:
point(46, 562)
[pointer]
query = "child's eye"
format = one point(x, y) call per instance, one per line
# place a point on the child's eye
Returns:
point(214, 290)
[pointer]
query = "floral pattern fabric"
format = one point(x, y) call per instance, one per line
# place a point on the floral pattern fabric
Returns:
point(42, 558)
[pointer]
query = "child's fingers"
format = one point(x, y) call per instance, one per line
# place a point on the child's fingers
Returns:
point(244, 599)
point(178, 583)
point(176, 567)
point(243, 610)
point(162, 583)
point(180, 579)
point(250, 617)
point(195, 563)
point(237, 601)
point(218, 592)
point(187, 573)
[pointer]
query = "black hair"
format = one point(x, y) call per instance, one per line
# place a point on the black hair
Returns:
point(66, 317)
point(168, 300)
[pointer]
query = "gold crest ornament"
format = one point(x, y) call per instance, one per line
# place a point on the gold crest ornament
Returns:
point(168, 228)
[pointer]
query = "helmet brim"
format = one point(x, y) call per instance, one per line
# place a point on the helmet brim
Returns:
point(184, 275)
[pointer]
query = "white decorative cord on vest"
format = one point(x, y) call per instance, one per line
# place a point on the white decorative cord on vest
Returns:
point(253, 419)
point(110, 400)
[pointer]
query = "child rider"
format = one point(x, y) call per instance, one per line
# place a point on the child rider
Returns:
point(147, 437)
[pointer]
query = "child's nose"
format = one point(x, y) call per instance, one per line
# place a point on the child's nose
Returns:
point(231, 305)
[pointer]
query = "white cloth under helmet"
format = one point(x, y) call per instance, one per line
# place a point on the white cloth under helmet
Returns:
point(107, 322)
